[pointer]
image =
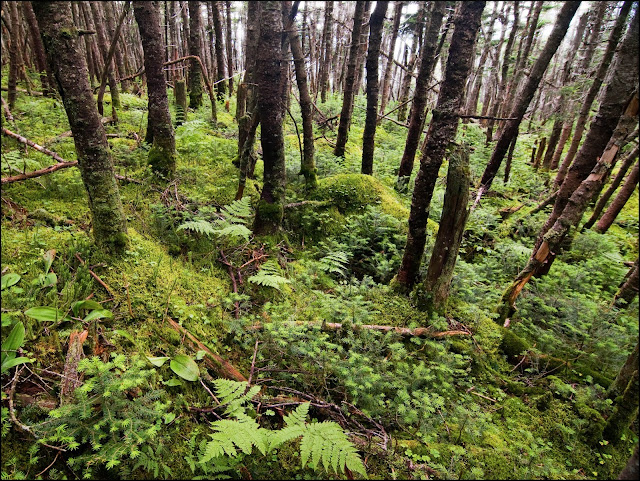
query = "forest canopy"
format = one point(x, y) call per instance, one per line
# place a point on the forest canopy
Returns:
point(319, 240)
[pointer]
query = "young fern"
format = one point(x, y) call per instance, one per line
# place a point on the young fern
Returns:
point(232, 223)
point(269, 276)
point(335, 262)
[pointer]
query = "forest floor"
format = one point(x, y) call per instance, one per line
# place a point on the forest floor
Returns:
point(476, 404)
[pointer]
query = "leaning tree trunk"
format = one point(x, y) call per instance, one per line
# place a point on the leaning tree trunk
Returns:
point(442, 131)
point(60, 39)
point(619, 202)
point(624, 392)
point(373, 88)
point(386, 80)
point(581, 122)
point(604, 198)
point(270, 74)
point(162, 156)
point(195, 72)
point(221, 86)
point(628, 292)
point(349, 87)
point(510, 129)
point(308, 165)
point(419, 104)
point(452, 223)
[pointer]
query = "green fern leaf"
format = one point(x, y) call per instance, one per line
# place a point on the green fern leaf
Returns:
point(199, 226)
point(269, 276)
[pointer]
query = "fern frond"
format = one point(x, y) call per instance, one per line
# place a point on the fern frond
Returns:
point(335, 262)
point(269, 276)
point(238, 212)
point(328, 443)
point(234, 230)
point(199, 226)
point(230, 435)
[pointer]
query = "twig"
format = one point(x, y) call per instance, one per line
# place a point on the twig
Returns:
point(236, 310)
point(295, 124)
point(484, 117)
point(209, 391)
point(253, 362)
point(95, 276)
point(7, 112)
point(47, 468)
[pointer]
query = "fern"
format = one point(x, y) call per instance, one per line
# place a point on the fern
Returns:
point(229, 436)
point(269, 276)
point(335, 262)
point(232, 223)
point(199, 226)
point(238, 212)
point(234, 394)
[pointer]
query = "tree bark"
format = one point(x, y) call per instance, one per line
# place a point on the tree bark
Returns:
point(46, 77)
point(114, 35)
point(625, 405)
point(180, 93)
point(349, 87)
point(405, 84)
point(228, 46)
point(376, 23)
point(628, 292)
point(323, 79)
point(419, 104)
point(386, 81)
point(269, 71)
point(221, 86)
point(60, 39)
point(632, 469)
point(604, 198)
point(452, 223)
point(108, 65)
point(619, 202)
point(510, 130)
point(442, 131)
point(195, 71)
point(13, 55)
point(162, 156)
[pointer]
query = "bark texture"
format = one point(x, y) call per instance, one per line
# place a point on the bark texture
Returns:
point(195, 71)
point(162, 156)
point(628, 291)
point(221, 86)
point(442, 131)
point(619, 202)
point(60, 39)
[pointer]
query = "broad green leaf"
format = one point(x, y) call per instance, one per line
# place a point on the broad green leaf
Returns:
point(173, 382)
point(86, 304)
point(185, 367)
point(15, 338)
point(48, 314)
point(9, 363)
point(200, 354)
point(98, 314)
point(125, 334)
point(7, 319)
point(157, 361)
point(9, 280)
point(50, 280)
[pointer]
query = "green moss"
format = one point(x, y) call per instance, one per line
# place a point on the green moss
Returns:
point(162, 161)
point(512, 345)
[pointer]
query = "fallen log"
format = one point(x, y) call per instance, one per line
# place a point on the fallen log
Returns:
point(403, 331)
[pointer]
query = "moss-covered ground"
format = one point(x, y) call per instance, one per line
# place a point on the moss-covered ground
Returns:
point(459, 407)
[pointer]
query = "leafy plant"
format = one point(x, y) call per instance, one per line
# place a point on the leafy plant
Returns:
point(10, 347)
point(269, 276)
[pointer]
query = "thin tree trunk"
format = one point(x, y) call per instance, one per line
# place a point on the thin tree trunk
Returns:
point(229, 47)
point(114, 34)
point(405, 85)
point(46, 77)
point(625, 407)
point(442, 131)
point(219, 46)
point(418, 106)
point(323, 80)
point(386, 82)
point(61, 44)
point(270, 79)
point(619, 202)
point(376, 23)
point(510, 130)
point(628, 292)
point(632, 470)
point(349, 88)
point(195, 72)
point(13, 55)
point(162, 156)
point(604, 198)
point(108, 65)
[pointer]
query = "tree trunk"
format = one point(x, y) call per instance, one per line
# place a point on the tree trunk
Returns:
point(625, 405)
point(110, 16)
point(323, 80)
point(195, 72)
point(614, 38)
point(60, 39)
point(604, 198)
point(375, 39)
point(162, 156)
point(452, 222)
point(632, 470)
point(221, 86)
point(526, 95)
point(564, 137)
point(619, 202)
point(308, 166)
point(270, 73)
point(386, 82)
point(180, 93)
point(349, 87)
point(103, 44)
point(554, 137)
point(228, 46)
point(441, 133)
point(541, 148)
point(13, 55)
point(405, 85)
point(418, 106)
point(46, 77)
point(628, 292)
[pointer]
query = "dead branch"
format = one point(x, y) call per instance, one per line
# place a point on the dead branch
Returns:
point(236, 310)
point(33, 93)
point(94, 275)
point(68, 133)
point(39, 148)
point(218, 364)
point(403, 331)
point(7, 112)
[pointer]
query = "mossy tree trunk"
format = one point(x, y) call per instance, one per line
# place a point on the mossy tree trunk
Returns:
point(13, 54)
point(376, 23)
point(195, 72)
point(60, 39)
point(103, 43)
point(229, 46)
point(526, 94)
point(349, 82)
point(269, 71)
point(632, 469)
point(625, 374)
point(308, 167)
point(180, 92)
point(418, 106)
point(221, 86)
point(442, 131)
point(619, 202)
point(628, 291)
point(452, 222)
point(625, 388)
point(162, 156)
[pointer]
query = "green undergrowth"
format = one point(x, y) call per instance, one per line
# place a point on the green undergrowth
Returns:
point(478, 402)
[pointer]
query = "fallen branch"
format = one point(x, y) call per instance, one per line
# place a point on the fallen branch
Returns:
point(403, 331)
point(220, 365)
point(34, 93)
point(39, 148)
point(38, 173)
point(484, 117)
point(95, 276)
point(7, 112)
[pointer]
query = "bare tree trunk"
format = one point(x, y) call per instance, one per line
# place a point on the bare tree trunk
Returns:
point(350, 87)
point(526, 95)
point(405, 85)
point(217, 26)
point(270, 79)
point(442, 131)
point(103, 44)
point(46, 77)
point(373, 88)
point(604, 198)
point(418, 106)
point(162, 156)
point(60, 39)
point(386, 82)
point(13, 55)
point(229, 47)
point(619, 202)
point(110, 16)
point(323, 79)
point(195, 72)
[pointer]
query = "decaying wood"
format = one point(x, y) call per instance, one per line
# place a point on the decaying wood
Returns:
point(71, 379)
point(403, 331)
point(7, 112)
point(215, 362)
